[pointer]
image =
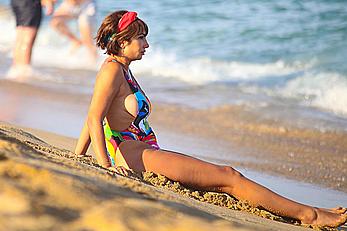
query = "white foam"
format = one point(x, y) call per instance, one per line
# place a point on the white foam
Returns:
point(7, 30)
point(327, 91)
point(205, 70)
point(53, 50)
point(20, 73)
point(26, 74)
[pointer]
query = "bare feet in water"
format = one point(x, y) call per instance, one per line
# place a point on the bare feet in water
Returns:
point(21, 73)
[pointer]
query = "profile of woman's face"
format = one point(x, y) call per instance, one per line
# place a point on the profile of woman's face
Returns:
point(136, 47)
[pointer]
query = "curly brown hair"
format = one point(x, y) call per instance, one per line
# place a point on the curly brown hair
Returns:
point(108, 38)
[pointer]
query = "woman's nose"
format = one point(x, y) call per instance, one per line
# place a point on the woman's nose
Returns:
point(146, 45)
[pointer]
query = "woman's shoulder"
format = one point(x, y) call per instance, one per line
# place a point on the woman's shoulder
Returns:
point(111, 69)
point(110, 78)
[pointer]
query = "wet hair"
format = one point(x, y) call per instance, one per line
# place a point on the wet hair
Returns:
point(109, 38)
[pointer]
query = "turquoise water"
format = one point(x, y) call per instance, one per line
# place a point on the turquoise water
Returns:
point(291, 51)
point(249, 31)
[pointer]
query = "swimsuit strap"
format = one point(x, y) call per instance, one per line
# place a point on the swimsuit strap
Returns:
point(128, 77)
point(131, 81)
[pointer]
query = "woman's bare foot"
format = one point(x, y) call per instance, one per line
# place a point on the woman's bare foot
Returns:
point(338, 210)
point(327, 217)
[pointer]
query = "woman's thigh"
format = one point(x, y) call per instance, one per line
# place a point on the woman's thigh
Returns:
point(176, 166)
point(65, 11)
point(129, 155)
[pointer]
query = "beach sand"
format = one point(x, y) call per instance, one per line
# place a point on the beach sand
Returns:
point(46, 187)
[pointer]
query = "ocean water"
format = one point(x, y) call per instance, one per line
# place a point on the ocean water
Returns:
point(275, 56)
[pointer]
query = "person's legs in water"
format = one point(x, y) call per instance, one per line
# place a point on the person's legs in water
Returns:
point(85, 22)
point(86, 31)
point(25, 38)
point(28, 18)
point(68, 11)
point(62, 15)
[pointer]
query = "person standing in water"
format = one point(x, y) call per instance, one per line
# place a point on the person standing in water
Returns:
point(122, 138)
point(28, 14)
point(84, 12)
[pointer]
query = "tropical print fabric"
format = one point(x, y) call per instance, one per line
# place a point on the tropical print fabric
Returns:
point(139, 128)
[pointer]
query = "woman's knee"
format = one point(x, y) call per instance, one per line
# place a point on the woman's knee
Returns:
point(231, 179)
point(54, 23)
point(231, 173)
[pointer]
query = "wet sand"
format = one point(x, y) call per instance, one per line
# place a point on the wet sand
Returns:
point(45, 187)
point(264, 145)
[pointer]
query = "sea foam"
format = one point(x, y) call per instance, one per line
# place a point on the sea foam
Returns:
point(325, 90)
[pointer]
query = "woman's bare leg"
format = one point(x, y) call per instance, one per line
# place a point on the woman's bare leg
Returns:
point(203, 175)
point(86, 31)
point(58, 22)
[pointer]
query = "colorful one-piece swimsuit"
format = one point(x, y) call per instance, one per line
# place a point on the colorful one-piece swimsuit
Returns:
point(139, 128)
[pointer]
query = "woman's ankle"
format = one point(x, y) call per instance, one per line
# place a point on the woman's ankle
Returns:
point(309, 216)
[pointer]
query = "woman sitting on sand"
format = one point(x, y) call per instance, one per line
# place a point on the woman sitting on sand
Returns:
point(121, 136)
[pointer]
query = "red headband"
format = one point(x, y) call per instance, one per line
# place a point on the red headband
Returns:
point(125, 20)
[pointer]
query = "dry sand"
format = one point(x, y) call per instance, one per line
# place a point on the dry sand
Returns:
point(44, 186)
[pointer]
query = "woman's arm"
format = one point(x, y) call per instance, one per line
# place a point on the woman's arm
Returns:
point(106, 88)
point(83, 141)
